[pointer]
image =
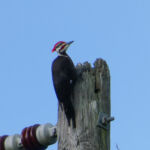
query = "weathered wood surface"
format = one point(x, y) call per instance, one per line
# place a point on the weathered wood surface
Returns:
point(91, 96)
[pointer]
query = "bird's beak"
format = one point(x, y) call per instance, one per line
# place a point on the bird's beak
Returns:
point(69, 43)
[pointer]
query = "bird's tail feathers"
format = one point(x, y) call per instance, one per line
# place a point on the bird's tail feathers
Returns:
point(70, 113)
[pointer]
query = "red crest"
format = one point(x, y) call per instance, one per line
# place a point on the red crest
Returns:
point(55, 46)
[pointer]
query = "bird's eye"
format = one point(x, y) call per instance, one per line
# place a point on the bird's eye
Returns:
point(59, 45)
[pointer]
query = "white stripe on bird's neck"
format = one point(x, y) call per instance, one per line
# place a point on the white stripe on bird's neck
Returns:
point(62, 55)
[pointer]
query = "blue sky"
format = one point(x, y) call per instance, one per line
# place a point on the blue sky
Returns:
point(117, 31)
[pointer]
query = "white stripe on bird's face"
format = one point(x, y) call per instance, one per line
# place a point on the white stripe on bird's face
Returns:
point(62, 48)
point(59, 46)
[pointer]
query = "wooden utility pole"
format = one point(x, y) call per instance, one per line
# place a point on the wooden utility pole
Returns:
point(91, 99)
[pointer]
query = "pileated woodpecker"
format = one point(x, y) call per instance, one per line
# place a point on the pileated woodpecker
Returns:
point(64, 76)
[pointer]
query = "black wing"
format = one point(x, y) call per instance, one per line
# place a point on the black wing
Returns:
point(64, 76)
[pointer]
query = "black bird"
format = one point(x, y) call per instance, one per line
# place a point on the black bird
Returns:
point(64, 76)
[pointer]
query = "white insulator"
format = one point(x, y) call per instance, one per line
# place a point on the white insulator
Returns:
point(46, 134)
point(13, 142)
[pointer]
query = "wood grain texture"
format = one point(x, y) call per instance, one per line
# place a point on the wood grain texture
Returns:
point(91, 95)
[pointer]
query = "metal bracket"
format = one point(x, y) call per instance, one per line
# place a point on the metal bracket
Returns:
point(104, 120)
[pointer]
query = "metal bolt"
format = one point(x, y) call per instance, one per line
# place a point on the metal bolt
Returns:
point(104, 120)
